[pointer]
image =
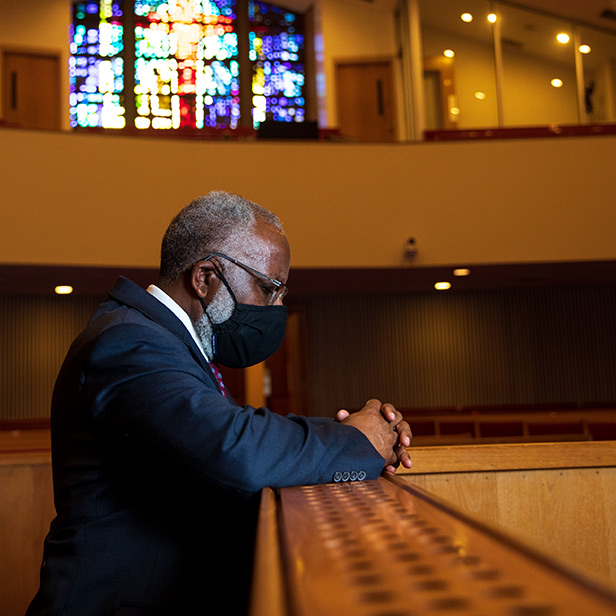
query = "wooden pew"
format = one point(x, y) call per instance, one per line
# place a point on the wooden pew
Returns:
point(26, 509)
point(25, 436)
point(511, 424)
point(560, 497)
point(557, 497)
point(385, 547)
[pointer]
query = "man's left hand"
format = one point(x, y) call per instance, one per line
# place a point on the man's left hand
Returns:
point(404, 435)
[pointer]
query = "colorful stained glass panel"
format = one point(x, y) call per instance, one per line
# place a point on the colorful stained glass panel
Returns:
point(186, 64)
point(186, 68)
point(276, 52)
point(96, 66)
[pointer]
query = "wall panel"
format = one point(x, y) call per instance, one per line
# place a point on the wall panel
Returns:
point(501, 347)
point(35, 334)
point(523, 346)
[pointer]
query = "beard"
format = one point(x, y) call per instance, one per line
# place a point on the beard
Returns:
point(219, 310)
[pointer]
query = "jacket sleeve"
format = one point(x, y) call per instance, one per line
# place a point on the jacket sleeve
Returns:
point(143, 381)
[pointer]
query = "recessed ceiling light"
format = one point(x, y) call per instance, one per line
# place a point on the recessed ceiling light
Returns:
point(562, 37)
point(449, 53)
point(480, 96)
point(442, 286)
point(557, 83)
point(584, 49)
point(492, 17)
point(461, 271)
point(63, 289)
point(467, 17)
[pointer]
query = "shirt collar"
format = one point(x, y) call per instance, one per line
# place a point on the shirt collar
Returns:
point(179, 312)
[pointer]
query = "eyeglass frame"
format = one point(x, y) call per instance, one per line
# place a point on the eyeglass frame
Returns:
point(278, 294)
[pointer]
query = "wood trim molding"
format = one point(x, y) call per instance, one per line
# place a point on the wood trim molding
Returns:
point(504, 457)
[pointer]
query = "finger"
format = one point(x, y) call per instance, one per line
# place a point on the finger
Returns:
point(389, 412)
point(404, 433)
point(373, 404)
point(342, 414)
point(404, 458)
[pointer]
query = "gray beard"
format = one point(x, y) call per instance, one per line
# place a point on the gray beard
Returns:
point(219, 310)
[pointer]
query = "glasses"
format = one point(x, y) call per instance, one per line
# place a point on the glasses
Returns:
point(274, 295)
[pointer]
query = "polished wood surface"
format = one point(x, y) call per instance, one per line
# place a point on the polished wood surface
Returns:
point(25, 440)
point(26, 509)
point(507, 456)
point(383, 547)
point(268, 590)
point(560, 497)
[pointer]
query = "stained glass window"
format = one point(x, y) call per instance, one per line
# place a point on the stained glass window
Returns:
point(276, 53)
point(185, 64)
point(96, 65)
point(186, 68)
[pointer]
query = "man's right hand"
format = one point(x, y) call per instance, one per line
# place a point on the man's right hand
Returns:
point(379, 423)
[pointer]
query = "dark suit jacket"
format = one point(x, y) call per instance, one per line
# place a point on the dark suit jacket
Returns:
point(156, 474)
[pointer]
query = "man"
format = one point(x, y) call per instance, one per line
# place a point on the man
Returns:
point(157, 472)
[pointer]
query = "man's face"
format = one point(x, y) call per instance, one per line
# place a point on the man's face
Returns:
point(266, 250)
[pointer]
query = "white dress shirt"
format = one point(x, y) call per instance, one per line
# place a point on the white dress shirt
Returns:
point(179, 312)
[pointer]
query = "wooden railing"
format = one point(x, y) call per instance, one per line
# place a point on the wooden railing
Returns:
point(391, 547)
point(523, 132)
point(24, 437)
point(511, 424)
point(451, 535)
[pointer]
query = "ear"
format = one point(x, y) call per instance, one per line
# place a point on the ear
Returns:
point(204, 280)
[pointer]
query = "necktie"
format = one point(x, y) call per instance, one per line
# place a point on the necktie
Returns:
point(216, 371)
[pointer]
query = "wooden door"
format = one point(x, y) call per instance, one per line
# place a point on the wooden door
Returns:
point(366, 101)
point(31, 89)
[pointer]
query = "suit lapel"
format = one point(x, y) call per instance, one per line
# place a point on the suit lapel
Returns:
point(127, 292)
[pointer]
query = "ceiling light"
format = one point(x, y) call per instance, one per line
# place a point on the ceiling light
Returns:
point(563, 37)
point(461, 271)
point(466, 17)
point(442, 286)
point(584, 49)
point(492, 18)
point(557, 83)
point(63, 289)
point(480, 96)
point(449, 53)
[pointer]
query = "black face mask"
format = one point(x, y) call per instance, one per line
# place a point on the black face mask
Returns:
point(249, 336)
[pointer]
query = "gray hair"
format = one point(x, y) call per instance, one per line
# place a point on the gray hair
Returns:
point(204, 226)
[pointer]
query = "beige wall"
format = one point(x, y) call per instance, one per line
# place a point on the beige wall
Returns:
point(106, 200)
point(473, 68)
point(528, 97)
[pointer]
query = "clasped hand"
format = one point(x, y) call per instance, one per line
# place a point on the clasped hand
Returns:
point(384, 427)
